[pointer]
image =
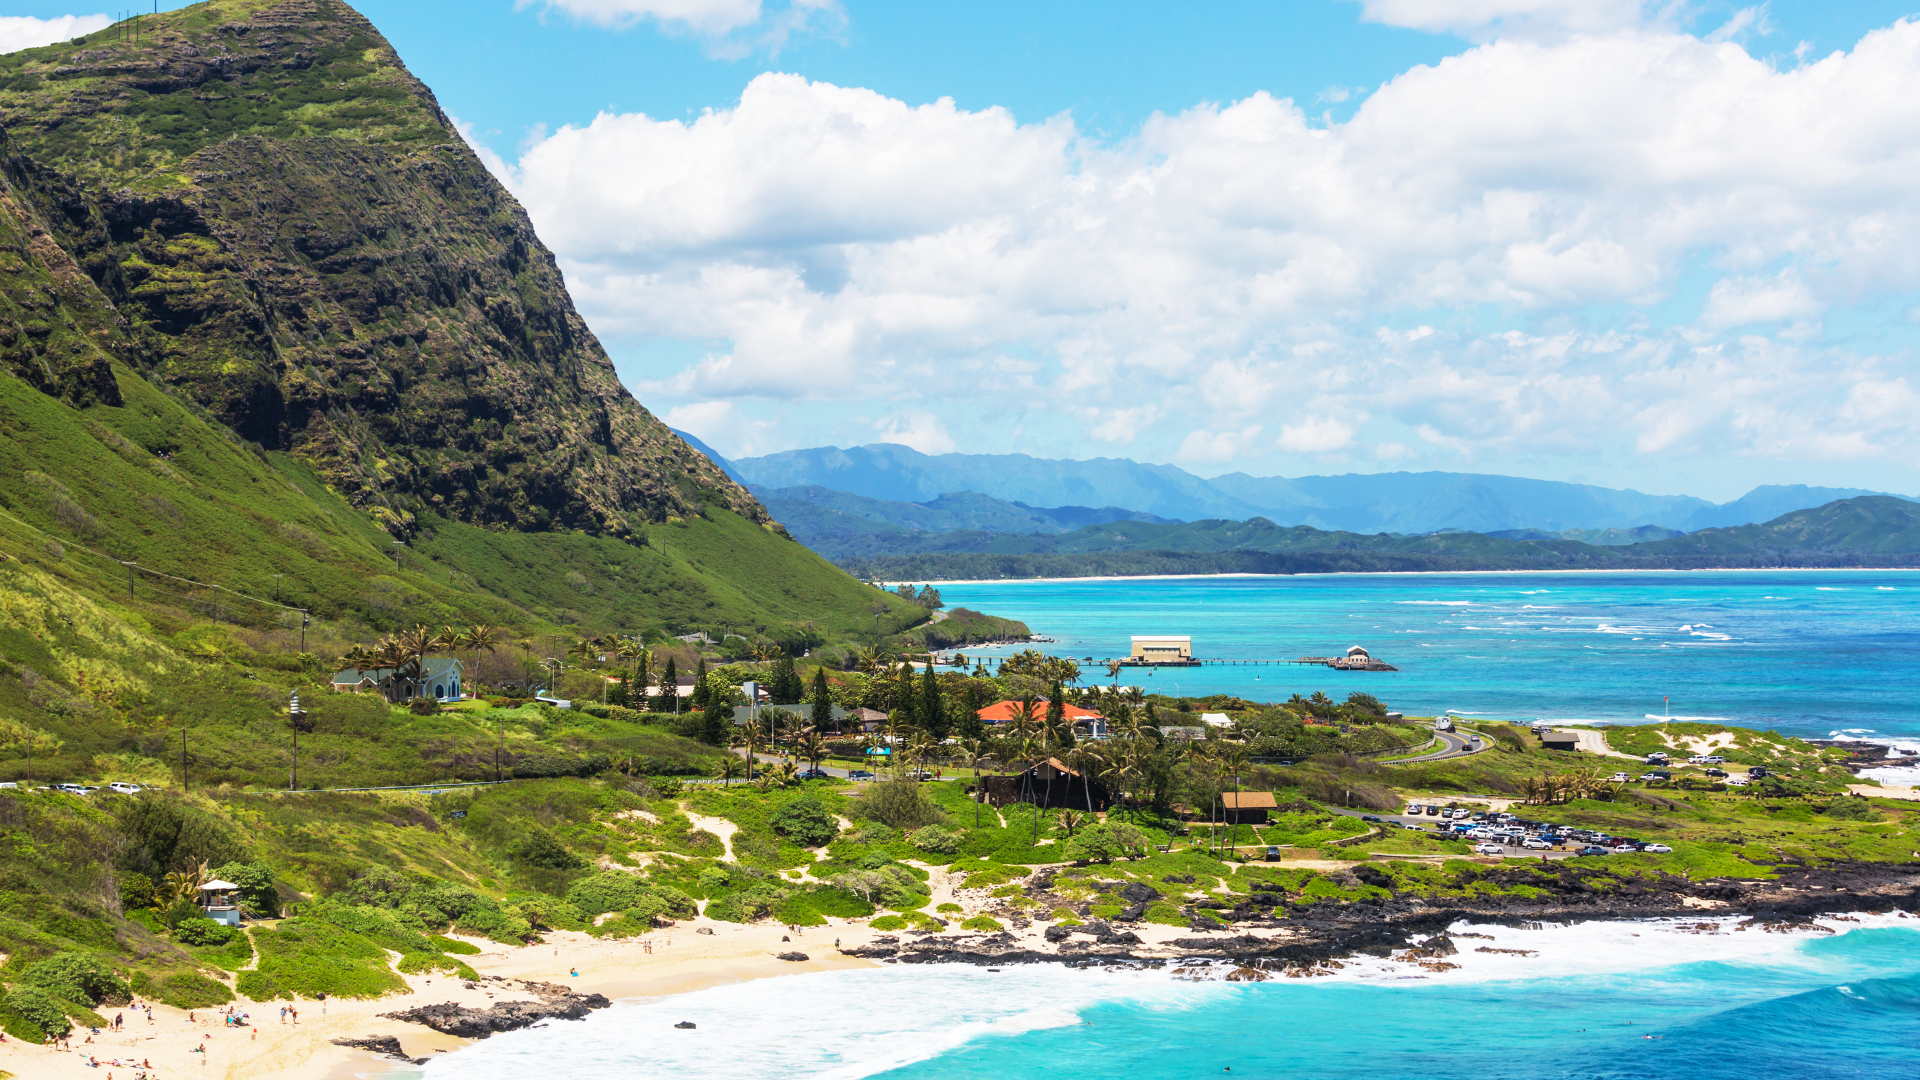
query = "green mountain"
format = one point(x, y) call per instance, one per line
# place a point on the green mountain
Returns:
point(842, 525)
point(1874, 530)
point(263, 313)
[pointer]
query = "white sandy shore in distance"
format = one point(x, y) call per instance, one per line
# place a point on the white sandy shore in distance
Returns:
point(1417, 573)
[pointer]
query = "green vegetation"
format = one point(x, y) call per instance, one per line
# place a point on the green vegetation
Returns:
point(1872, 530)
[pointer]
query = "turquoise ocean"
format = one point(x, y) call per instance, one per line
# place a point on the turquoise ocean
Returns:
point(1817, 654)
point(1662, 1000)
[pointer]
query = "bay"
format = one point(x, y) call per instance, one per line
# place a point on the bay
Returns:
point(1685, 1000)
point(1809, 653)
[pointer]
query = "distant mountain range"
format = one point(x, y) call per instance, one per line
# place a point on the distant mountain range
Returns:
point(1862, 531)
point(1358, 502)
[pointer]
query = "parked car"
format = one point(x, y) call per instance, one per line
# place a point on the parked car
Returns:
point(1369, 817)
point(1535, 843)
point(1414, 810)
point(1619, 778)
point(1489, 849)
point(1593, 850)
point(813, 774)
point(921, 774)
point(123, 787)
point(1756, 772)
point(1714, 759)
point(860, 774)
point(1656, 849)
point(1716, 772)
point(1735, 781)
point(71, 789)
point(1433, 811)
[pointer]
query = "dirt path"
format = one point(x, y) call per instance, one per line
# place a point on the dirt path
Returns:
point(719, 827)
point(1595, 742)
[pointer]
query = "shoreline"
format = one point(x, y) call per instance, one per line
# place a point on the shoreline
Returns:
point(1253, 945)
point(1426, 573)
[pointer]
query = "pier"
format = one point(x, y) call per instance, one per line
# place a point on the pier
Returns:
point(1356, 659)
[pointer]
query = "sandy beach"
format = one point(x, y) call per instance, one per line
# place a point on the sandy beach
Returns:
point(673, 960)
point(680, 961)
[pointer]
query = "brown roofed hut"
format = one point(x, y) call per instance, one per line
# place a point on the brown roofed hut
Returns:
point(1045, 784)
point(1246, 807)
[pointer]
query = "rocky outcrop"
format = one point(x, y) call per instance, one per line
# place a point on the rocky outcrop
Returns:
point(270, 214)
point(553, 1003)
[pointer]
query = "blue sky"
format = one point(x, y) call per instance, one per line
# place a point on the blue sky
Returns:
point(1577, 240)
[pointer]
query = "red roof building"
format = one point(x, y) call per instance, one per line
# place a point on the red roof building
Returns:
point(1003, 712)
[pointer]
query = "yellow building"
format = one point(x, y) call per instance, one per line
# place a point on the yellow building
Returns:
point(1162, 650)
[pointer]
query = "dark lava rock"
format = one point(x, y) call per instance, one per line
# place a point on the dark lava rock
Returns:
point(1183, 879)
point(1138, 893)
point(795, 956)
point(1373, 875)
point(1058, 934)
point(1134, 913)
point(557, 1003)
point(381, 1044)
point(686, 1024)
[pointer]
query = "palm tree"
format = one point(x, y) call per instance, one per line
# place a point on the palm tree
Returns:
point(872, 661)
point(976, 749)
point(813, 748)
point(1087, 760)
point(727, 768)
point(753, 739)
point(481, 638)
point(586, 650)
point(1070, 820)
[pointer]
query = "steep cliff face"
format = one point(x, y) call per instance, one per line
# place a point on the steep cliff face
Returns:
point(255, 203)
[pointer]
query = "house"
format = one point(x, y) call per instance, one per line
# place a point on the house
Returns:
point(1084, 721)
point(1216, 719)
point(216, 899)
point(1246, 807)
point(1046, 783)
point(683, 687)
point(1560, 740)
point(742, 714)
point(1162, 650)
point(438, 680)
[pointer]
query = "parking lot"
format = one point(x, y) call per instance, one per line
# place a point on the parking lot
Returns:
point(1506, 835)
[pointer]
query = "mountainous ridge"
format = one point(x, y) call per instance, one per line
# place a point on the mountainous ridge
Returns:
point(267, 324)
point(1398, 502)
point(284, 225)
point(1868, 531)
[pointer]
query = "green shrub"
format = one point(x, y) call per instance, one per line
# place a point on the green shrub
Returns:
point(1104, 842)
point(385, 928)
point(308, 956)
point(948, 907)
point(1166, 914)
point(258, 898)
point(453, 946)
point(889, 922)
point(984, 923)
point(203, 932)
point(39, 1008)
point(73, 977)
point(900, 804)
point(136, 892)
point(545, 911)
point(609, 890)
point(871, 832)
point(146, 917)
point(937, 839)
point(191, 990)
point(16, 1024)
point(805, 821)
point(542, 849)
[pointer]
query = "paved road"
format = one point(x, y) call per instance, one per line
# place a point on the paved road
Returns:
point(1454, 746)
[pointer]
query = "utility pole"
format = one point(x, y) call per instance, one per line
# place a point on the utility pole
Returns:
point(276, 587)
point(500, 733)
point(305, 621)
point(397, 545)
point(129, 567)
point(297, 720)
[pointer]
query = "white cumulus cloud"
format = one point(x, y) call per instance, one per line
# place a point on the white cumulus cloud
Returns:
point(730, 27)
point(921, 430)
point(1237, 260)
point(26, 32)
point(1481, 19)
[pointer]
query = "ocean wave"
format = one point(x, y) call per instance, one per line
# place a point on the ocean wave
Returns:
point(1691, 719)
point(1561, 950)
point(1438, 603)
